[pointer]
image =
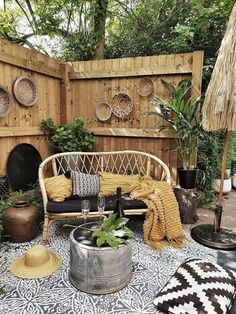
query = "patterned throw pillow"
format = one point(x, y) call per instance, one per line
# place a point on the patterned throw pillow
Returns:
point(85, 184)
point(198, 286)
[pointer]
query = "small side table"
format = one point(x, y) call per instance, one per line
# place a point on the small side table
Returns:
point(98, 270)
point(188, 201)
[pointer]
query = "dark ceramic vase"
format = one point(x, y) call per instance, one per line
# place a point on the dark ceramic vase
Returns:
point(21, 222)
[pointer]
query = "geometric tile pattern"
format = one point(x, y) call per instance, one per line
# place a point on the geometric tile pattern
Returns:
point(56, 295)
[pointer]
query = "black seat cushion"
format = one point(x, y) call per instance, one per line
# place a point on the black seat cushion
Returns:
point(73, 204)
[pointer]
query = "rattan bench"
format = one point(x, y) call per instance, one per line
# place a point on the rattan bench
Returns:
point(121, 162)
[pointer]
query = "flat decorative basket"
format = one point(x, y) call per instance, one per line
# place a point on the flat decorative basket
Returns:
point(145, 87)
point(121, 105)
point(5, 101)
point(103, 111)
point(25, 91)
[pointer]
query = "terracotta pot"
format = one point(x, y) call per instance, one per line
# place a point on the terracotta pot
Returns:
point(21, 222)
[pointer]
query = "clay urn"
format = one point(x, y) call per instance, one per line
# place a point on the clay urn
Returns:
point(21, 222)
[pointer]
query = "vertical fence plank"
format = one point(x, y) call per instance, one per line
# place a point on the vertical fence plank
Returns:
point(65, 94)
point(197, 73)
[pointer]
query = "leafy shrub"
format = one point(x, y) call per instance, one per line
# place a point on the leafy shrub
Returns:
point(70, 137)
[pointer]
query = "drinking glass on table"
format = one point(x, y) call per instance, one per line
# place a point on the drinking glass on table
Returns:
point(101, 206)
point(85, 208)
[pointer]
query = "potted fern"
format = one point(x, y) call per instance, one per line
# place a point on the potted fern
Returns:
point(182, 115)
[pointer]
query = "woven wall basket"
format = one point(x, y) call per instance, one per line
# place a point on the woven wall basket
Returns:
point(121, 105)
point(25, 91)
point(145, 87)
point(103, 111)
point(5, 101)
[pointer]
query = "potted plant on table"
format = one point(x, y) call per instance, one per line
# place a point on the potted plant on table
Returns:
point(68, 137)
point(113, 232)
point(182, 115)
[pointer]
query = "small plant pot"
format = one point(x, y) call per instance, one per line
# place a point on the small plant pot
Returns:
point(227, 186)
point(187, 178)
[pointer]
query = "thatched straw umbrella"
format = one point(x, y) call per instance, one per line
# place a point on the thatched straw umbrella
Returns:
point(219, 112)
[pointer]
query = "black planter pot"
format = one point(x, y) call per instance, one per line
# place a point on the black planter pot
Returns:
point(187, 178)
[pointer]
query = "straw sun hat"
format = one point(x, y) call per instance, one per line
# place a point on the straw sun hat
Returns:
point(37, 262)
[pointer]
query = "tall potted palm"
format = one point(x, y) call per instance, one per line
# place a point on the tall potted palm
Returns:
point(182, 115)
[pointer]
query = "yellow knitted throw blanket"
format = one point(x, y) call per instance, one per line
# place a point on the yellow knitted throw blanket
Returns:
point(162, 226)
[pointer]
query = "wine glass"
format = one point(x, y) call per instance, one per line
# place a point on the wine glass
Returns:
point(85, 208)
point(101, 206)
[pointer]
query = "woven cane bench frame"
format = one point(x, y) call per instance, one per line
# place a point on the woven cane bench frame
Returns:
point(127, 162)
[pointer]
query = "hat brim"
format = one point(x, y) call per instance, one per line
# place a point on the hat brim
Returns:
point(19, 269)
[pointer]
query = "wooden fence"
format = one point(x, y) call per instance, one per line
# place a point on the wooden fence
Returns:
point(99, 80)
point(21, 125)
point(67, 90)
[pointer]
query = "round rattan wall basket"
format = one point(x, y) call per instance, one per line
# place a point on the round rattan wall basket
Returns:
point(121, 105)
point(25, 91)
point(5, 101)
point(145, 87)
point(103, 111)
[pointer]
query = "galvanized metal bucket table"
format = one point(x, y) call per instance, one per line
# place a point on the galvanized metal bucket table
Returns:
point(98, 270)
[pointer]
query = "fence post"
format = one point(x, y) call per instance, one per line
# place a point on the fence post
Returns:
point(197, 73)
point(65, 97)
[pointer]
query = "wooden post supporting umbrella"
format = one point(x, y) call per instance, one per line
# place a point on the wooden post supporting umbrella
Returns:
point(219, 113)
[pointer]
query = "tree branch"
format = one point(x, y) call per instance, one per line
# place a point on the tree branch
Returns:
point(130, 12)
point(31, 12)
point(25, 13)
point(70, 12)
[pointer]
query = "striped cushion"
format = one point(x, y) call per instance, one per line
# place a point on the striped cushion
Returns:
point(198, 286)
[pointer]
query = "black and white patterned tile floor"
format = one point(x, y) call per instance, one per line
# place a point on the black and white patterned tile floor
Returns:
point(55, 294)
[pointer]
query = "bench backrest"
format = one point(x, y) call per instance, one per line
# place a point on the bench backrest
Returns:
point(122, 162)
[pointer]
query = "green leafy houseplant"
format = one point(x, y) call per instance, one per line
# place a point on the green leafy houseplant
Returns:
point(182, 115)
point(113, 232)
point(68, 137)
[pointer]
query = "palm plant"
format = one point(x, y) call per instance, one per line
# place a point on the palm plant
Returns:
point(182, 115)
